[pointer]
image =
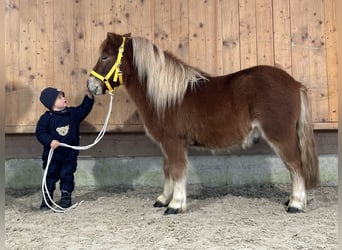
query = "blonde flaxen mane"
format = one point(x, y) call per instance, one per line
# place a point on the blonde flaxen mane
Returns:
point(167, 79)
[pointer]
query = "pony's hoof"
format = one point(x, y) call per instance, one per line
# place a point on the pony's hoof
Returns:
point(169, 211)
point(159, 204)
point(293, 210)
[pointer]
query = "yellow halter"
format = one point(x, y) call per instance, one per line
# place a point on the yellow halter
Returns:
point(115, 69)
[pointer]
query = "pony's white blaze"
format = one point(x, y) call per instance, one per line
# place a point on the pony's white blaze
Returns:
point(298, 195)
point(179, 195)
point(166, 196)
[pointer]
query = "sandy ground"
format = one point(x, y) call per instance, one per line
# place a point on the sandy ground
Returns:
point(249, 217)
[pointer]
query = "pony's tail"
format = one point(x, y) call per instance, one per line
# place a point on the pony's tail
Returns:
point(307, 143)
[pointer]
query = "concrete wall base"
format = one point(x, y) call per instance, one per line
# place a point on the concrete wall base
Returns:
point(211, 171)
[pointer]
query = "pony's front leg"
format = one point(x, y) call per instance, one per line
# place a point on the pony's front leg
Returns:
point(173, 196)
point(175, 168)
point(178, 202)
point(164, 199)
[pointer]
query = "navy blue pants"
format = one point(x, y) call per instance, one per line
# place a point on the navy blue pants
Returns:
point(61, 170)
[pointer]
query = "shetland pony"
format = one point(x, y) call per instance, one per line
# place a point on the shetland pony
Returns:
point(181, 106)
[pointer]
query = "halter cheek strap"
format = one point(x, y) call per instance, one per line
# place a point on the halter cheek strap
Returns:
point(114, 70)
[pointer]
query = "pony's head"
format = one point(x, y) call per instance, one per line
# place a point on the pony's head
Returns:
point(165, 78)
point(107, 75)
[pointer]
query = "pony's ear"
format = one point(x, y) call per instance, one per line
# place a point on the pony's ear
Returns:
point(127, 35)
point(114, 38)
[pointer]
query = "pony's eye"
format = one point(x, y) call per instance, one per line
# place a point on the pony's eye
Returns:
point(103, 58)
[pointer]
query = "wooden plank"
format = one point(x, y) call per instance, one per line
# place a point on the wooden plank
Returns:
point(325, 125)
point(95, 33)
point(73, 53)
point(146, 19)
point(230, 36)
point(137, 20)
point(130, 16)
point(332, 60)
point(247, 33)
point(114, 17)
point(282, 40)
point(180, 29)
point(98, 34)
point(134, 17)
point(27, 64)
point(12, 45)
point(123, 23)
point(61, 48)
point(83, 61)
point(85, 36)
point(124, 110)
point(197, 34)
point(264, 27)
point(124, 113)
point(107, 15)
point(299, 41)
point(318, 70)
point(44, 52)
point(213, 37)
point(217, 26)
point(162, 24)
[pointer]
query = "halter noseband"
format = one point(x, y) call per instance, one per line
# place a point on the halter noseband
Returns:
point(115, 69)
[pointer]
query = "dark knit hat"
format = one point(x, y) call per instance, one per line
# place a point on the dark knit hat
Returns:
point(49, 96)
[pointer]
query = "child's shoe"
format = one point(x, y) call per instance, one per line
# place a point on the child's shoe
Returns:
point(65, 199)
point(43, 205)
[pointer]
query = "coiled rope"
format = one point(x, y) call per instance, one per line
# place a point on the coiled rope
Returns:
point(45, 190)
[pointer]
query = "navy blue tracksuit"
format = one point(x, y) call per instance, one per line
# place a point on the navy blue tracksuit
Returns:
point(64, 127)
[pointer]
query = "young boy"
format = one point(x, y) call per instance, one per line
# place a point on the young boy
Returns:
point(60, 124)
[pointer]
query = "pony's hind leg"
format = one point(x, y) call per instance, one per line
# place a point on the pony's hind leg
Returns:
point(289, 152)
point(175, 167)
point(297, 200)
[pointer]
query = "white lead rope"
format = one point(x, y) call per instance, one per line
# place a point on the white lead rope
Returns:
point(58, 208)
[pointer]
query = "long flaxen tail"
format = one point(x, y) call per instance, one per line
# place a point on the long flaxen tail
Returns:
point(307, 143)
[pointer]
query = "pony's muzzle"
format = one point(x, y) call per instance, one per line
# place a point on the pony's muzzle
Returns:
point(94, 86)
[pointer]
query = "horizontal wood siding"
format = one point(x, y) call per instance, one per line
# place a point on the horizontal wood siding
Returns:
point(56, 43)
point(139, 144)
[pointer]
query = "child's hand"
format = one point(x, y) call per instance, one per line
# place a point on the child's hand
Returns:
point(89, 94)
point(54, 144)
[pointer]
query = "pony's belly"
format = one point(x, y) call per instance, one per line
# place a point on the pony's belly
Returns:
point(215, 150)
point(227, 140)
point(217, 146)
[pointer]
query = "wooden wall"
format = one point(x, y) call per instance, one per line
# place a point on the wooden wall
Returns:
point(56, 43)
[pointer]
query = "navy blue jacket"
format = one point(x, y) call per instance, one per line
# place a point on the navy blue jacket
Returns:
point(63, 126)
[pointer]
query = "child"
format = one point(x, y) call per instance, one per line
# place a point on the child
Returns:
point(61, 124)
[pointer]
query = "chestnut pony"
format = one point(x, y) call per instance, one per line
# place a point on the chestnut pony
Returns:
point(181, 106)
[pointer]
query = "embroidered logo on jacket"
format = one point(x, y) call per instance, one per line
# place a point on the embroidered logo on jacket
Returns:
point(63, 131)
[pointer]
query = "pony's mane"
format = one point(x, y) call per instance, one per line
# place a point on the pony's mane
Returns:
point(167, 78)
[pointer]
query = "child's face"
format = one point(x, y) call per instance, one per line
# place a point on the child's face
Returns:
point(60, 102)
